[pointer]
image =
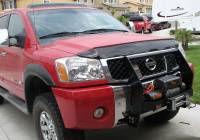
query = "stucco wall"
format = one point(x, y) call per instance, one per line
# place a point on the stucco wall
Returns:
point(0, 6)
point(24, 3)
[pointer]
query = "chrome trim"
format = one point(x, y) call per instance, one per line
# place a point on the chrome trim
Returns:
point(120, 103)
point(152, 53)
point(179, 101)
point(157, 74)
point(151, 61)
point(107, 71)
point(148, 82)
point(153, 75)
point(166, 68)
point(47, 126)
point(180, 104)
point(179, 98)
point(109, 76)
point(152, 112)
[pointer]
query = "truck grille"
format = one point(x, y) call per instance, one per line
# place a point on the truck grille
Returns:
point(141, 63)
point(122, 69)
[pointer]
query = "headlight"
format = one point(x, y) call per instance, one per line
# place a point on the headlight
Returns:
point(78, 69)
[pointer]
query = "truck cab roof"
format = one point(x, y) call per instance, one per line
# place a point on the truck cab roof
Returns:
point(42, 6)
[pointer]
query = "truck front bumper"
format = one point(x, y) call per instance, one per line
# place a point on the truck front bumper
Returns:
point(77, 106)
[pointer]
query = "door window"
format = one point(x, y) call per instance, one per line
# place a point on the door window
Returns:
point(19, 32)
point(4, 22)
point(3, 25)
point(16, 26)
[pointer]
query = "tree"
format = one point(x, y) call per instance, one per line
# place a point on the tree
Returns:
point(184, 36)
point(113, 12)
point(123, 19)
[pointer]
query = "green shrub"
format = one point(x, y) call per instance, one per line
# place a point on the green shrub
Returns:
point(113, 12)
point(184, 36)
point(123, 19)
point(172, 32)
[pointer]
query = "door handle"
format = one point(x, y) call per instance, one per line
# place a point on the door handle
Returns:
point(3, 53)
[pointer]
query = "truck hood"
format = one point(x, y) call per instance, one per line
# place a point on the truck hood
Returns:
point(80, 44)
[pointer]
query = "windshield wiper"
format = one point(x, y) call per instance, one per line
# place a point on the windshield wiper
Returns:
point(60, 34)
point(104, 30)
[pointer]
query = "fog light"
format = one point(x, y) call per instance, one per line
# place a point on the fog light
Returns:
point(98, 113)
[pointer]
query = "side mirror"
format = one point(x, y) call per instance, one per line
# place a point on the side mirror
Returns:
point(13, 41)
point(17, 41)
point(3, 36)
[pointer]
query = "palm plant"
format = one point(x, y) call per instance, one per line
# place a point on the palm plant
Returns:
point(184, 36)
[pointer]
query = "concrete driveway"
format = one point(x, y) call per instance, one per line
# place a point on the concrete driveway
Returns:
point(14, 125)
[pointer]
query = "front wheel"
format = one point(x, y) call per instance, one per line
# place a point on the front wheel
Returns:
point(150, 30)
point(48, 121)
point(143, 31)
point(1, 100)
point(161, 117)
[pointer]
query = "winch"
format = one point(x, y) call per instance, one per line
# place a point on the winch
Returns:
point(167, 86)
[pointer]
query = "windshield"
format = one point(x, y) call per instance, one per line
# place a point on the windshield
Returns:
point(65, 22)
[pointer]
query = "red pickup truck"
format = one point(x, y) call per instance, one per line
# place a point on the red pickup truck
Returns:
point(141, 23)
point(95, 74)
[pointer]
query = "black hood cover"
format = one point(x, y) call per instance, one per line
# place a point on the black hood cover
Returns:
point(130, 49)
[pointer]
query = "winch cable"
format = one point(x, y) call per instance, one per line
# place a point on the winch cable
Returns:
point(149, 89)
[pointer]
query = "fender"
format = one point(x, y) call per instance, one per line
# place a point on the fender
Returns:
point(38, 71)
point(35, 70)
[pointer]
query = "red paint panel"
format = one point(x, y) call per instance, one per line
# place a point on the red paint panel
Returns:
point(77, 106)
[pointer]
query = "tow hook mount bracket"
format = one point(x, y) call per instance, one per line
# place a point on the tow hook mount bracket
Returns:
point(178, 101)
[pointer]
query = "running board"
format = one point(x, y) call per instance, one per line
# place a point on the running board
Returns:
point(20, 104)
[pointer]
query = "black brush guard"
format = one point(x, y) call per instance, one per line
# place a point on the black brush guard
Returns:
point(133, 88)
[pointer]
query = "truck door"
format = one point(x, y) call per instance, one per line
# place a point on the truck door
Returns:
point(3, 43)
point(13, 57)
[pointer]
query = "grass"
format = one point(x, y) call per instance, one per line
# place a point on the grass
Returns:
point(193, 55)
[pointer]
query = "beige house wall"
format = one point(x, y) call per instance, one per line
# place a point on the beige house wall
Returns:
point(144, 6)
point(96, 3)
point(118, 11)
point(0, 6)
point(24, 3)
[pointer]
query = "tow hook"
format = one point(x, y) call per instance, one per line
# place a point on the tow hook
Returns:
point(179, 101)
point(130, 120)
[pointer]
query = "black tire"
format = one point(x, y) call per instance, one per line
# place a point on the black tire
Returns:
point(161, 117)
point(143, 31)
point(150, 30)
point(46, 103)
point(1, 100)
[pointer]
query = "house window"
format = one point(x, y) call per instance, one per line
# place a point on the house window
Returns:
point(140, 10)
point(46, 1)
point(85, 1)
point(148, 10)
point(110, 1)
point(141, 1)
point(8, 4)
